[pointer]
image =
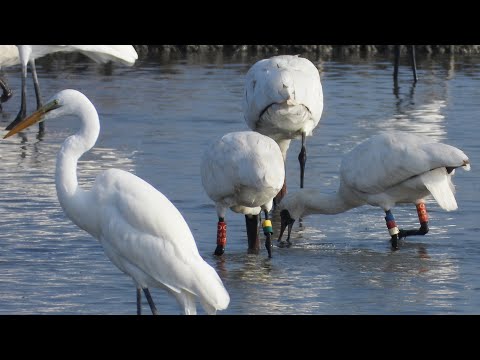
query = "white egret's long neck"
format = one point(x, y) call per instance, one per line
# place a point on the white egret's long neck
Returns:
point(69, 194)
point(309, 201)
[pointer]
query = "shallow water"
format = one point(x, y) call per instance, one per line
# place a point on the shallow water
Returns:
point(158, 116)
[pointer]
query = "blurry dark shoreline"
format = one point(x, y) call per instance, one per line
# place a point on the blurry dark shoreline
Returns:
point(324, 50)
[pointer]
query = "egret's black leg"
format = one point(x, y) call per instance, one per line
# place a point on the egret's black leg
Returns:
point(423, 218)
point(268, 231)
point(221, 237)
point(23, 105)
point(36, 85)
point(414, 63)
point(251, 222)
point(150, 301)
point(139, 301)
point(302, 158)
point(392, 229)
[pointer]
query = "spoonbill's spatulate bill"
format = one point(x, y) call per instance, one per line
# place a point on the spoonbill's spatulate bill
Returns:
point(124, 54)
point(243, 171)
point(284, 100)
point(140, 230)
point(387, 169)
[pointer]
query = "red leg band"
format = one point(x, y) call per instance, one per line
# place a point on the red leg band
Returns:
point(422, 213)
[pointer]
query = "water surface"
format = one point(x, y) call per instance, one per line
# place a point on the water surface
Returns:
point(156, 120)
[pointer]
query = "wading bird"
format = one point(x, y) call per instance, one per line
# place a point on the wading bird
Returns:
point(243, 171)
point(124, 54)
point(284, 100)
point(389, 168)
point(140, 230)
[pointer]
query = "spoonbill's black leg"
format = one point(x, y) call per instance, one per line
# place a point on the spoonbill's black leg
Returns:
point(423, 218)
point(251, 221)
point(268, 231)
point(302, 158)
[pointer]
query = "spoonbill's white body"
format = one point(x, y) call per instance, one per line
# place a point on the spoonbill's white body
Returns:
point(284, 100)
point(243, 171)
point(389, 168)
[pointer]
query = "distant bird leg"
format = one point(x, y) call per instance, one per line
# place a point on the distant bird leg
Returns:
point(268, 231)
point(139, 301)
point(423, 218)
point(396, 62)
point(302, 158)
point(285, 221)
point(221, 236)
point(23, 105)
point(414, 63)
point(251, 222)
point(150, 301)
point(41, 125)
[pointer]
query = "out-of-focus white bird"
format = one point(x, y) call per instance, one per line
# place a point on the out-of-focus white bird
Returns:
point(8, 57)
point(284, 100)
point(389, 168)
point(124, 54)
point(243, 171)
point(140, 230)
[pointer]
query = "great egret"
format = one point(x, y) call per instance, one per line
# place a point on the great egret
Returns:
point(284, 100)
point(389, 168)
point(140, 230)
point(124, 54)
point(243, 171)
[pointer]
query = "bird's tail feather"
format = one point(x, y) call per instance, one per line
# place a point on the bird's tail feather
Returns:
point(439, 183)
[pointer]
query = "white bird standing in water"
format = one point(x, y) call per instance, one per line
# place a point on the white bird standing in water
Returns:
point(284, 100)
point(243, 171)
point(389, 168)
point(140, 230)
point(124, 54)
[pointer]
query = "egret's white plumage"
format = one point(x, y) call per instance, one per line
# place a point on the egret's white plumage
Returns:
point(283, 99)
point(242, 171)
point(389, 168)
point(141, 231)
point(124, 54)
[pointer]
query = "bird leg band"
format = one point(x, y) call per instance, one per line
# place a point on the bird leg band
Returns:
point(222, 233)
point(422, 213)
point(267, 227)
point(391, 225)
